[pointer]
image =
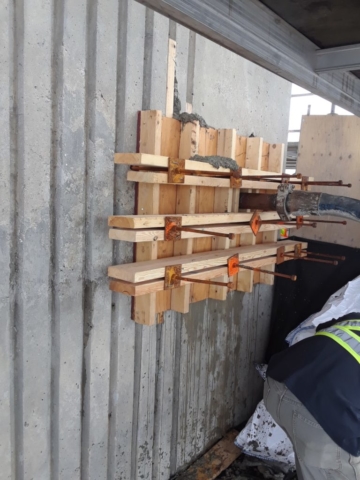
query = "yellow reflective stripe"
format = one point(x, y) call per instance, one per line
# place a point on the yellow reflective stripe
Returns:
point(341, 343)
point(349, 332)
point(347, 321)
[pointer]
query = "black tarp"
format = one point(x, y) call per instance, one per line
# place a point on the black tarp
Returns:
point(294, 302)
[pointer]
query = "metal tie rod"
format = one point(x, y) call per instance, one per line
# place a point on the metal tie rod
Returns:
point(293, 278)
point(206, 282)
point(317, 260)
point(231, 236)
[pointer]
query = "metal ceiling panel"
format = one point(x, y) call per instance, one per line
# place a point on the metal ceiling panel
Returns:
point(251, 30)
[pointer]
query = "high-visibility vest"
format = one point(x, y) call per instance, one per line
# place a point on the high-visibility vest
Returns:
point(344, 334)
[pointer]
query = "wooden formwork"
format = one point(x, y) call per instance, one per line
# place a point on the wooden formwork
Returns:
point(166, 138)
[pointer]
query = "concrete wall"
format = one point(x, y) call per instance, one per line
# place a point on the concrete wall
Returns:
point(84, 392)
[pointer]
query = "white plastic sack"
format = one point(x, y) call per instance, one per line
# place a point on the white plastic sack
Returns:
point(262, 437)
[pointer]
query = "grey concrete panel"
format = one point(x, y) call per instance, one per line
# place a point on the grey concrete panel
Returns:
point(181, 66)
point(159, 62)
point(129, 101)
point(164, 404)
point(154, 95)
point(218, 384)
point(6, 239)
point(86, 393)
point(235, 93)
point(232, 92)
point(144, 401)
point(198, 310)
point(33, 298)
point(68, 235)
point(190, 363)
point(100, 127)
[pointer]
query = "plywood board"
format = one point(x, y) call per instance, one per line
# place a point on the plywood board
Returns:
point(329, 149)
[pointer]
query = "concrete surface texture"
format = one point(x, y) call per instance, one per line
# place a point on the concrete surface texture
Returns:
point(84, 392)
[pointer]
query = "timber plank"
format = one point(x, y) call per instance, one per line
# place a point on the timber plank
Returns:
point(142, 288)
point(170, 143)
point(193, 180)
point(185, 203)
point(204, 204)
point(154, 235)
point(163, 160)
point(170, 78)
point(158, 221)
point(144, 307)
point(215, 461)
point(223, 203)
point(276, 157)
point(268, 237)
point(254, 149)
point(148, 270)
point(245, 279)
point(265, 157)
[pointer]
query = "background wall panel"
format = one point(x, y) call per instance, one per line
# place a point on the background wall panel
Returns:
point(329, 148)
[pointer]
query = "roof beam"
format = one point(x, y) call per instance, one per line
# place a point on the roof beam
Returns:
point(340, 58)
point(251, 30)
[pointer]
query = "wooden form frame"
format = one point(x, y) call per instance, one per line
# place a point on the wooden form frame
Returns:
point(146, 277)
point(199, 201)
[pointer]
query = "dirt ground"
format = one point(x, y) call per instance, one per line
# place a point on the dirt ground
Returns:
point(248, 468)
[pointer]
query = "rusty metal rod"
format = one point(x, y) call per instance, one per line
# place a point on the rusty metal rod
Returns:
point(281, 222)
point(329, 262)
point(303, 224)
point(293, 278)
point(205, 173)
point(154, 168)
point(266, 178)
point(198, 173)
point(206, 282)
point(319, 183)
point(334, 257)
point(317, 260)
point(231, 236)
point(327, 221)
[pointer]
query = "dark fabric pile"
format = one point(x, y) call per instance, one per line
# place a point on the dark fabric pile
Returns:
point(250, 468)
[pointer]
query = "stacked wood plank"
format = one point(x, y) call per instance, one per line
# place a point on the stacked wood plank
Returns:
point(206, 203)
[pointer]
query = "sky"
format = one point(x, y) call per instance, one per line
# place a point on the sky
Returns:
point(299, 106)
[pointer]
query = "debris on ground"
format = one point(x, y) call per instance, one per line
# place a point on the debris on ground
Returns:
point(248, 468)
point(217, 161)
point(217, 459)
